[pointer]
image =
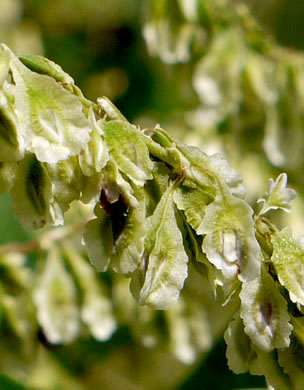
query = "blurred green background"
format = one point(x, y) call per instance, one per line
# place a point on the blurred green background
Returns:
point(101, 44)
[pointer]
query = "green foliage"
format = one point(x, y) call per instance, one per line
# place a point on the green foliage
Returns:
point(159, 218)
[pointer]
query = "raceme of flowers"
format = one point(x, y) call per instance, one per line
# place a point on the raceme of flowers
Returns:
point(160, 208)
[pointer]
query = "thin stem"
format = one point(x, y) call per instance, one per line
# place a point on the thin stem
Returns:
point(44, 241)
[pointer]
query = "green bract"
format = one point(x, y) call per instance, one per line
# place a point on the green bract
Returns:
point(278, 196)
point(42, 65)
point(267, 364)
point(128, 150)
point(163, 267)
point(10, 149)
point(41, 192)
point(230, 242)
point(190, 333)
point(96, 306)
point(16, 310)
point(7, 175)
point(4, 66)
point(115, 184)
point(162, 210)
point(94, 155)
point(264, 312)
point(67, 182)
point(32, 193)
point(121, 237)
point(292, 361)
point(216, 89)
point(51, 120)
point(98, 238)
point(288, 261)
point(193, 201)
point(239, 352)
point(55, 299)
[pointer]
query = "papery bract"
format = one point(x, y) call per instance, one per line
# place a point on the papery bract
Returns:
point(189, 332)
point(98, 238)
point(53, 125)
point(32, 194)
point(278, 196)
point(163, 267)
point(7, 175)
point(96, 305)
point(128, 150)
point(288, 261)
point(230, 242)
point(55, 299)
point(264, 312)
point(239, 352)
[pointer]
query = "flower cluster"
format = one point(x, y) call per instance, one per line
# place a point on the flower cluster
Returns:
point(161, 208)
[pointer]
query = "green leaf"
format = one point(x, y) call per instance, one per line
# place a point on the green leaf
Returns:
point(163, 267)
point(264, 312)
point(278, 196)
point(53, 125)
point(288, 261)
point(56, 301)
point(129, 151)
point(230, 242)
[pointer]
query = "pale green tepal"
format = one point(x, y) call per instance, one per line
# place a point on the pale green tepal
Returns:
point(55, 298)
point(264, 312)
point(277, 196)
point(51, 121)
point(163, 268)
point(288, 261)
